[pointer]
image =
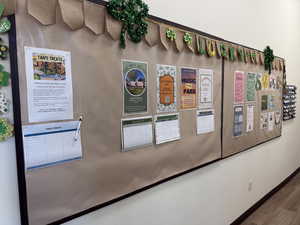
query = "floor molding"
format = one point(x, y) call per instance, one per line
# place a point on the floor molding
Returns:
point(253, 208)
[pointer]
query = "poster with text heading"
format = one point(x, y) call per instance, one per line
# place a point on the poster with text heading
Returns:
point(238, 120)
point(188, 88)
point(205, 121)
point(205, 88)
point(250, 118)
point(166, 89)
point(239, 83)
point(167, 128)
point(49, 84)
point(135, 87)
point(251, 82)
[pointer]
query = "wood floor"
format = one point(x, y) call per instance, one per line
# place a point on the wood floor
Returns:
point(283, 208)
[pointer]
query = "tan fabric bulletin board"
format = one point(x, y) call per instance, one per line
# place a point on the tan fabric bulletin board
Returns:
point(231, 144)
point(105, 173)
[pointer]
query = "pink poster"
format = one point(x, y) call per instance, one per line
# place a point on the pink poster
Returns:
point(239, 87)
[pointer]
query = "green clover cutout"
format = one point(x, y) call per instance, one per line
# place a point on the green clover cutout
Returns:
point(187, 38)
point(223, 49)
point(231, 54)
point(4, 77)
point(6, 130)
point(132, 14)
point(5, 24)
point(171, 34)
point(201, 49)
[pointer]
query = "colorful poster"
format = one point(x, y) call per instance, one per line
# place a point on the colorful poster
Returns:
point(49, 84)
point(264, 121)
point(258, 85)
point(166, 89)
point(135, 88)
point(272, 82)
point(188, 88)
point(265, 81)
point(271, 102)
point(251, 81)
point(250, 118)
point(167, 128)
point(264, 102)
point(205, 88)
point(239, 87)
point(271, 121)
point(238, 120)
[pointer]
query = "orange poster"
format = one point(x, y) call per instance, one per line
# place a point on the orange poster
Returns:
point(188, 88)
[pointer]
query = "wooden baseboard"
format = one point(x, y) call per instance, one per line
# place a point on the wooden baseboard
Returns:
point(253, 208)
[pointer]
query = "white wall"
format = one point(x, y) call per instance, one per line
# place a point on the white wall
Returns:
point(217, 194)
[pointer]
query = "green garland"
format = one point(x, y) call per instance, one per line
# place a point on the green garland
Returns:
point(269, 58)
point(132, 14)
point(187, 38)
point(231, 54)
point(171, 34)
point(6, 130)
point(223, 49)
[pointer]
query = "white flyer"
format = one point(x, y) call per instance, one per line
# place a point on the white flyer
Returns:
point(49, 84)
point(205, 88)
point(167, 128)
point(250, 118)
point(136, 133)
point(52, 143)
point(205, 121)
point(271, 121)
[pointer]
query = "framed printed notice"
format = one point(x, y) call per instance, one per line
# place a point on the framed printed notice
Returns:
point(205, 88)
point(238, 121)
point(166, 88)
point(135, 91)
point(188, 88)
point(239, 81)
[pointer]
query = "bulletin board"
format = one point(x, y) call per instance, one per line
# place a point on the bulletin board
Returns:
point(105, 173)
point(247, 139)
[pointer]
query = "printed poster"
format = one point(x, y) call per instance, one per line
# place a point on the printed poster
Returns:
point(251, 81)
point(49, 84)
point(264, 102)
point(166, 88)
point(239, 87)
point(250, 118)
point(188, 88)
point(271, 102)
point(277, 118)
point(135, 87)
point(167, 128)
point(271, 121)
point(206, 88)
point(205, 121)
point(264, 121)
point(238, 121)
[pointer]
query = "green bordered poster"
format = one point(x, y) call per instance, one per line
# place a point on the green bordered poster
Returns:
point(135, 90)
point(251, 81)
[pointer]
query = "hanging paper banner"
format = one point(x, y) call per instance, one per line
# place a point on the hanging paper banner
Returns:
point(166, 88)
point(210, 47)
point(238, 120)
point(135, 88)
point(239, 80)
point(224, 50)
point(272, 82)
point(201, 45)
point(251, 81)
point(188, 88)
point(258, 85)
point(265, 81)
point(205, 88)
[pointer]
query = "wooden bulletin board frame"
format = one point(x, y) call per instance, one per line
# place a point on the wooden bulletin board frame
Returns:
point(19, 135)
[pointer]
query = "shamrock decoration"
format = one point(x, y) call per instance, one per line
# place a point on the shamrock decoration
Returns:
point(200, 47)
point(269, 58)
point(240, 53)
point(223, 49)
point(3, 50)
point(171, 34)
point(6, 129)
point(231, 54)
point(132, 14)
point(4, 76)
point(3, 104)
point(5, 24)
point(187, 38)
